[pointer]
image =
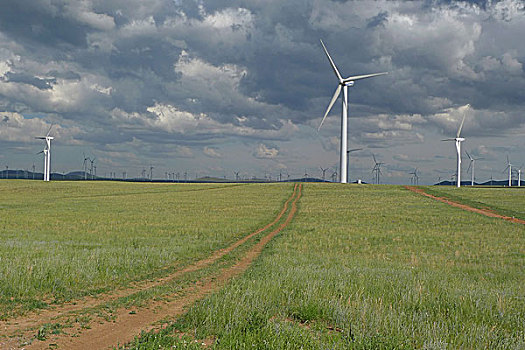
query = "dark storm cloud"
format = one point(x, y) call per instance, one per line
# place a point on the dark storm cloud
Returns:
point(197, 73)
point(41, 84)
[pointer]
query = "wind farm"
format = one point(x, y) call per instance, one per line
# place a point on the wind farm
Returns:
point(174, 175)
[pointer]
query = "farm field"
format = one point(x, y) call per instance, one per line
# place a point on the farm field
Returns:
point(369, 267)
point(63, 240)
point(504, 201)
point(237, 267)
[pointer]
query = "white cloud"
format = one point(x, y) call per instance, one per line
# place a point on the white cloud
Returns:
point(14, 127)
point(212, 152)
point(266, 152)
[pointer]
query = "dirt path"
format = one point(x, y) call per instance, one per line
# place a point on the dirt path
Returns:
point(127, 324)
point(464, 206)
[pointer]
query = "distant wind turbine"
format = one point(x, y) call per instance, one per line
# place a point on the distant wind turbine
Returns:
point(323, 171)
point(509, 166)
point(377, 169)
point(471, 167)
point(519, 175)
point(343, 84)
point(458, 141)
point(415, 178)
point(47, 153)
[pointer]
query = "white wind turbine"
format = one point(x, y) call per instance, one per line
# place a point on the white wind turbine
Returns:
point(47, 154)
point(509, 166)
point(343, 84)
point(471, 167)
point(458, 140)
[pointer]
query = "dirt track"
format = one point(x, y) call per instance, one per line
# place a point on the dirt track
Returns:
point(128, 324)
point(463, 206)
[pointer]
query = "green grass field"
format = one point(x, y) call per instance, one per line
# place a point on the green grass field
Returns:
point(502, 200)
point(359, 267)
point(370, 267)
point(62, 240)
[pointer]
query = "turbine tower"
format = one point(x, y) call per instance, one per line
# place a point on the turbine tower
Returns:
point(343, 84)
point(86, 159)
point(458, 141)
point(47, 153)
point(471, 167)
point(509, 166)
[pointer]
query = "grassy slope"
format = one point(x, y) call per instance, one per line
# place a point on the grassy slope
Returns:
point(61, 240)
point(504, 201)
point(370, 267)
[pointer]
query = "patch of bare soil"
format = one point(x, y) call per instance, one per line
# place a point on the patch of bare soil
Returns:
point(485, 212)
point(128, 323)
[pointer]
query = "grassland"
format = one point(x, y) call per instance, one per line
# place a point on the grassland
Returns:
point(63, 240)
point(505, 201)
point(369, 267)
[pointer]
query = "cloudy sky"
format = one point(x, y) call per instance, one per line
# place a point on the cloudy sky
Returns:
point(213, 87)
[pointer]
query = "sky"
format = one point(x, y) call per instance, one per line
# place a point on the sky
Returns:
point(217, 87)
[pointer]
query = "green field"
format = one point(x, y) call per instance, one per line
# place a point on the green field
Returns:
point(359, 267)
point(370, 267)
point(502, 200)
point(63, 240)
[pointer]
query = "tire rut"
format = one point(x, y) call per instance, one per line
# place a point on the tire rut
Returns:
point(464, 206)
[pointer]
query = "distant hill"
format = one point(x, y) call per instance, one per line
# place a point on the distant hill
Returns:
point(497, 183)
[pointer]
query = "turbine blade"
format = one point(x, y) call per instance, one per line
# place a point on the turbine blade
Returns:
point(461, 125)
point(336, 95)
point(332, 63)
point(353, 150)
point(373, 156)
point(448, 140)
point(49, 130)
point(365, 76)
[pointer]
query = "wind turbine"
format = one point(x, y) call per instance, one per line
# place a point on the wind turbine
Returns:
point(509, 166)
point(519, 175)
point(377, 168)
point(324, 171)
point(92, 161)
point(47, 153)
point(334, 176)
point(415, 178)
point(458, 140)
point(471, 167)
point(343, 84)
point(86, 159)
